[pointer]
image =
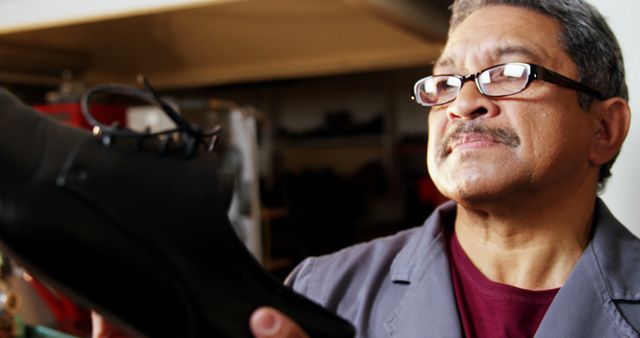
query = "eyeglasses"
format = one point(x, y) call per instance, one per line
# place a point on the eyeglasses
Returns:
point(497, 81)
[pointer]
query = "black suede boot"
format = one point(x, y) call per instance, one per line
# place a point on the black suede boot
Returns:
point(140, 236)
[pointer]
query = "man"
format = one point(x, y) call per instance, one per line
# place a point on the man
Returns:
point(522, 146)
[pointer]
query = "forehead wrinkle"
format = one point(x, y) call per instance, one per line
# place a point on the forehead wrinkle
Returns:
point(496, 55)
point(526, 53)
point(446, 62)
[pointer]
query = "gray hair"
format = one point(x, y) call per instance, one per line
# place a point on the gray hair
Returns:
point(585, 36)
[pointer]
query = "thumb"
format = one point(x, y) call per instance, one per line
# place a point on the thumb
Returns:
point(267, 322)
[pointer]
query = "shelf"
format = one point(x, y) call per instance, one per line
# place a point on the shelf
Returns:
point(48, 14)
point(334, 141)
point(211, 42)
point(345, 159)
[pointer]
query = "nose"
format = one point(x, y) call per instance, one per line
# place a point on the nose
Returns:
point(471, 104)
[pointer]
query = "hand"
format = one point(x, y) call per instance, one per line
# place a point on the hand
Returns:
point(267, 322)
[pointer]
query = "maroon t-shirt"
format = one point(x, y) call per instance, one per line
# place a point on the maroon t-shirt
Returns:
point(490, 309)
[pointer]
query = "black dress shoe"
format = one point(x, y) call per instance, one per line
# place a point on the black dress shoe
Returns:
point(140, 236)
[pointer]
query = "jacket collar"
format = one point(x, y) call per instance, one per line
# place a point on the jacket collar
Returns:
point(617, 254)
point(409, 264)
point(428, 307)
point(606, 272)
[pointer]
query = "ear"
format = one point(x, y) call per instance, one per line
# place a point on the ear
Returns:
point(612, 118)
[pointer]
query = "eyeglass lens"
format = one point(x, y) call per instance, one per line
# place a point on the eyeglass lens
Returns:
point(500, 80)
point(504, 80)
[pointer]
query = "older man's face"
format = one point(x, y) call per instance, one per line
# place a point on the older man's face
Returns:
point(487, 149)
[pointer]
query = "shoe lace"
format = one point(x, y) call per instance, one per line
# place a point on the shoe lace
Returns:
point(185, 136)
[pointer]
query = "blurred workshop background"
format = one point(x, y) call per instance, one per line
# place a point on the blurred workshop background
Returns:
point(315, 97)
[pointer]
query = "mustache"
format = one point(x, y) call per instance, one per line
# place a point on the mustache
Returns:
point(501, 135)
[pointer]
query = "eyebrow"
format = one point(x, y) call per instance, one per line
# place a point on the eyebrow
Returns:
point(498, 54)
point(443, 63)
point(517, 51)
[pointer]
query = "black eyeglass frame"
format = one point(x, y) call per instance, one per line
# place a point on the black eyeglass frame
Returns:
point(536, 72)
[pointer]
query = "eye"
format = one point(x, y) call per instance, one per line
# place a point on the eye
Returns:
point(504, 79)
point(508, 72)
point(447, 84)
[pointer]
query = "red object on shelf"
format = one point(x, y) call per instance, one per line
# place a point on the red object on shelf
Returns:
point(71, 113)
point(70, 318)
point(428, 193)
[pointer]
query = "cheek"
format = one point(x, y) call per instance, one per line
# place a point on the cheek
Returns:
point(554, 137)
point(435, 131)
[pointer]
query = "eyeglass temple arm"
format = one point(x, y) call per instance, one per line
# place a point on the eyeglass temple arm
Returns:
point(561, 80)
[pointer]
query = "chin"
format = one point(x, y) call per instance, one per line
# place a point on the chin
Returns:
point(476, 180)
point(477, 192)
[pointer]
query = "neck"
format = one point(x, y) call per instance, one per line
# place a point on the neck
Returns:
point(532, 245)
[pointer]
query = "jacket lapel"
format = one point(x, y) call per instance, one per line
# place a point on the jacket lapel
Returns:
point(581, 307)
point(607, 272)
point(428, 308)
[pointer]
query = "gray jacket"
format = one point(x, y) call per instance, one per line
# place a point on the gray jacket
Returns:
point(400, 286)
